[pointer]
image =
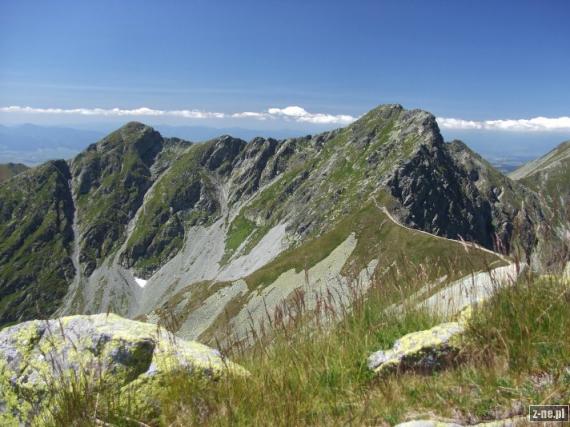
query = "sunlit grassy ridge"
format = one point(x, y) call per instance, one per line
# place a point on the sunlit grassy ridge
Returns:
point(377, 234)
point(8, 170)
point(309, 371)
point(395, 250)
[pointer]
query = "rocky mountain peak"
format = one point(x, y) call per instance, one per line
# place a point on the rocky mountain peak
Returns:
point(173, 213)
point(221, 152)
point(384, 111)
point(402, 130)
point(132, 131)
point(134, 125)
point(134, 136)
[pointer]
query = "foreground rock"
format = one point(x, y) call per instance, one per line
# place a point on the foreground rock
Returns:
point(509, 422)
point(422, 351)
point(438, 347)
point(37, 357)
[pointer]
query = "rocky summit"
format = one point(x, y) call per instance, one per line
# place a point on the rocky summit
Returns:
point(142, 225)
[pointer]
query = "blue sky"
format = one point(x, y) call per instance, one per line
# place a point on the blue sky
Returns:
point(474, 61)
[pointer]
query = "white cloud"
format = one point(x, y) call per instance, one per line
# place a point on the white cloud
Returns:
point(252, 115)
point(536, 124)
point(299, 114)
point(143, 111)
point(294, 113)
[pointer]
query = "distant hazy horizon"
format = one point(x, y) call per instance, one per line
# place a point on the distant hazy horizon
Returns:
point(32, 144)
point(495, 74)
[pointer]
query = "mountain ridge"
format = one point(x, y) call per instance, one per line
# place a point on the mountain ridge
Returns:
point(549, 174)
point(8, 170)
point(227, 219)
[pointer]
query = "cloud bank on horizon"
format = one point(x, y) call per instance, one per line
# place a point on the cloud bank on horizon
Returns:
point(535, 124)
point(294, 113)
point(300, 115)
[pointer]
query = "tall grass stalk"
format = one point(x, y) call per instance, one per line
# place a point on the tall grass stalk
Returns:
point(309, 367)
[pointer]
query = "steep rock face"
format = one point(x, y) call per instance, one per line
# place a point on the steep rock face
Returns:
point(449, 190)
point(251, 165)
point(549, 176)
point(440, 198)
point(111, 178)
point(189, 194)
point(36, 215)
point(516, 210)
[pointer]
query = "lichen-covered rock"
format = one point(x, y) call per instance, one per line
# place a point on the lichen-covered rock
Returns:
point(420, 351)
point(427, 423)
point(508, 422)
point(38, 356)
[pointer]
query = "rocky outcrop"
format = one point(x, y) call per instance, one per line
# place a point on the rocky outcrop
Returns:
point(448, 190)
point(549, 176)
point(439, 347)
point(37, 358)
point(423, 351)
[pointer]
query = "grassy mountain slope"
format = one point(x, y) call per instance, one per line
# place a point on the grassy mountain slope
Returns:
point(9, 170)
point(36, 215)
point(327, 188)
point(392, 249)
point(300, 257)
point(402, 153)
point(550, 174)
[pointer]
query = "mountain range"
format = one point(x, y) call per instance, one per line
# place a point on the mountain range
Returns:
point(219, 233)
point(34, 144)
